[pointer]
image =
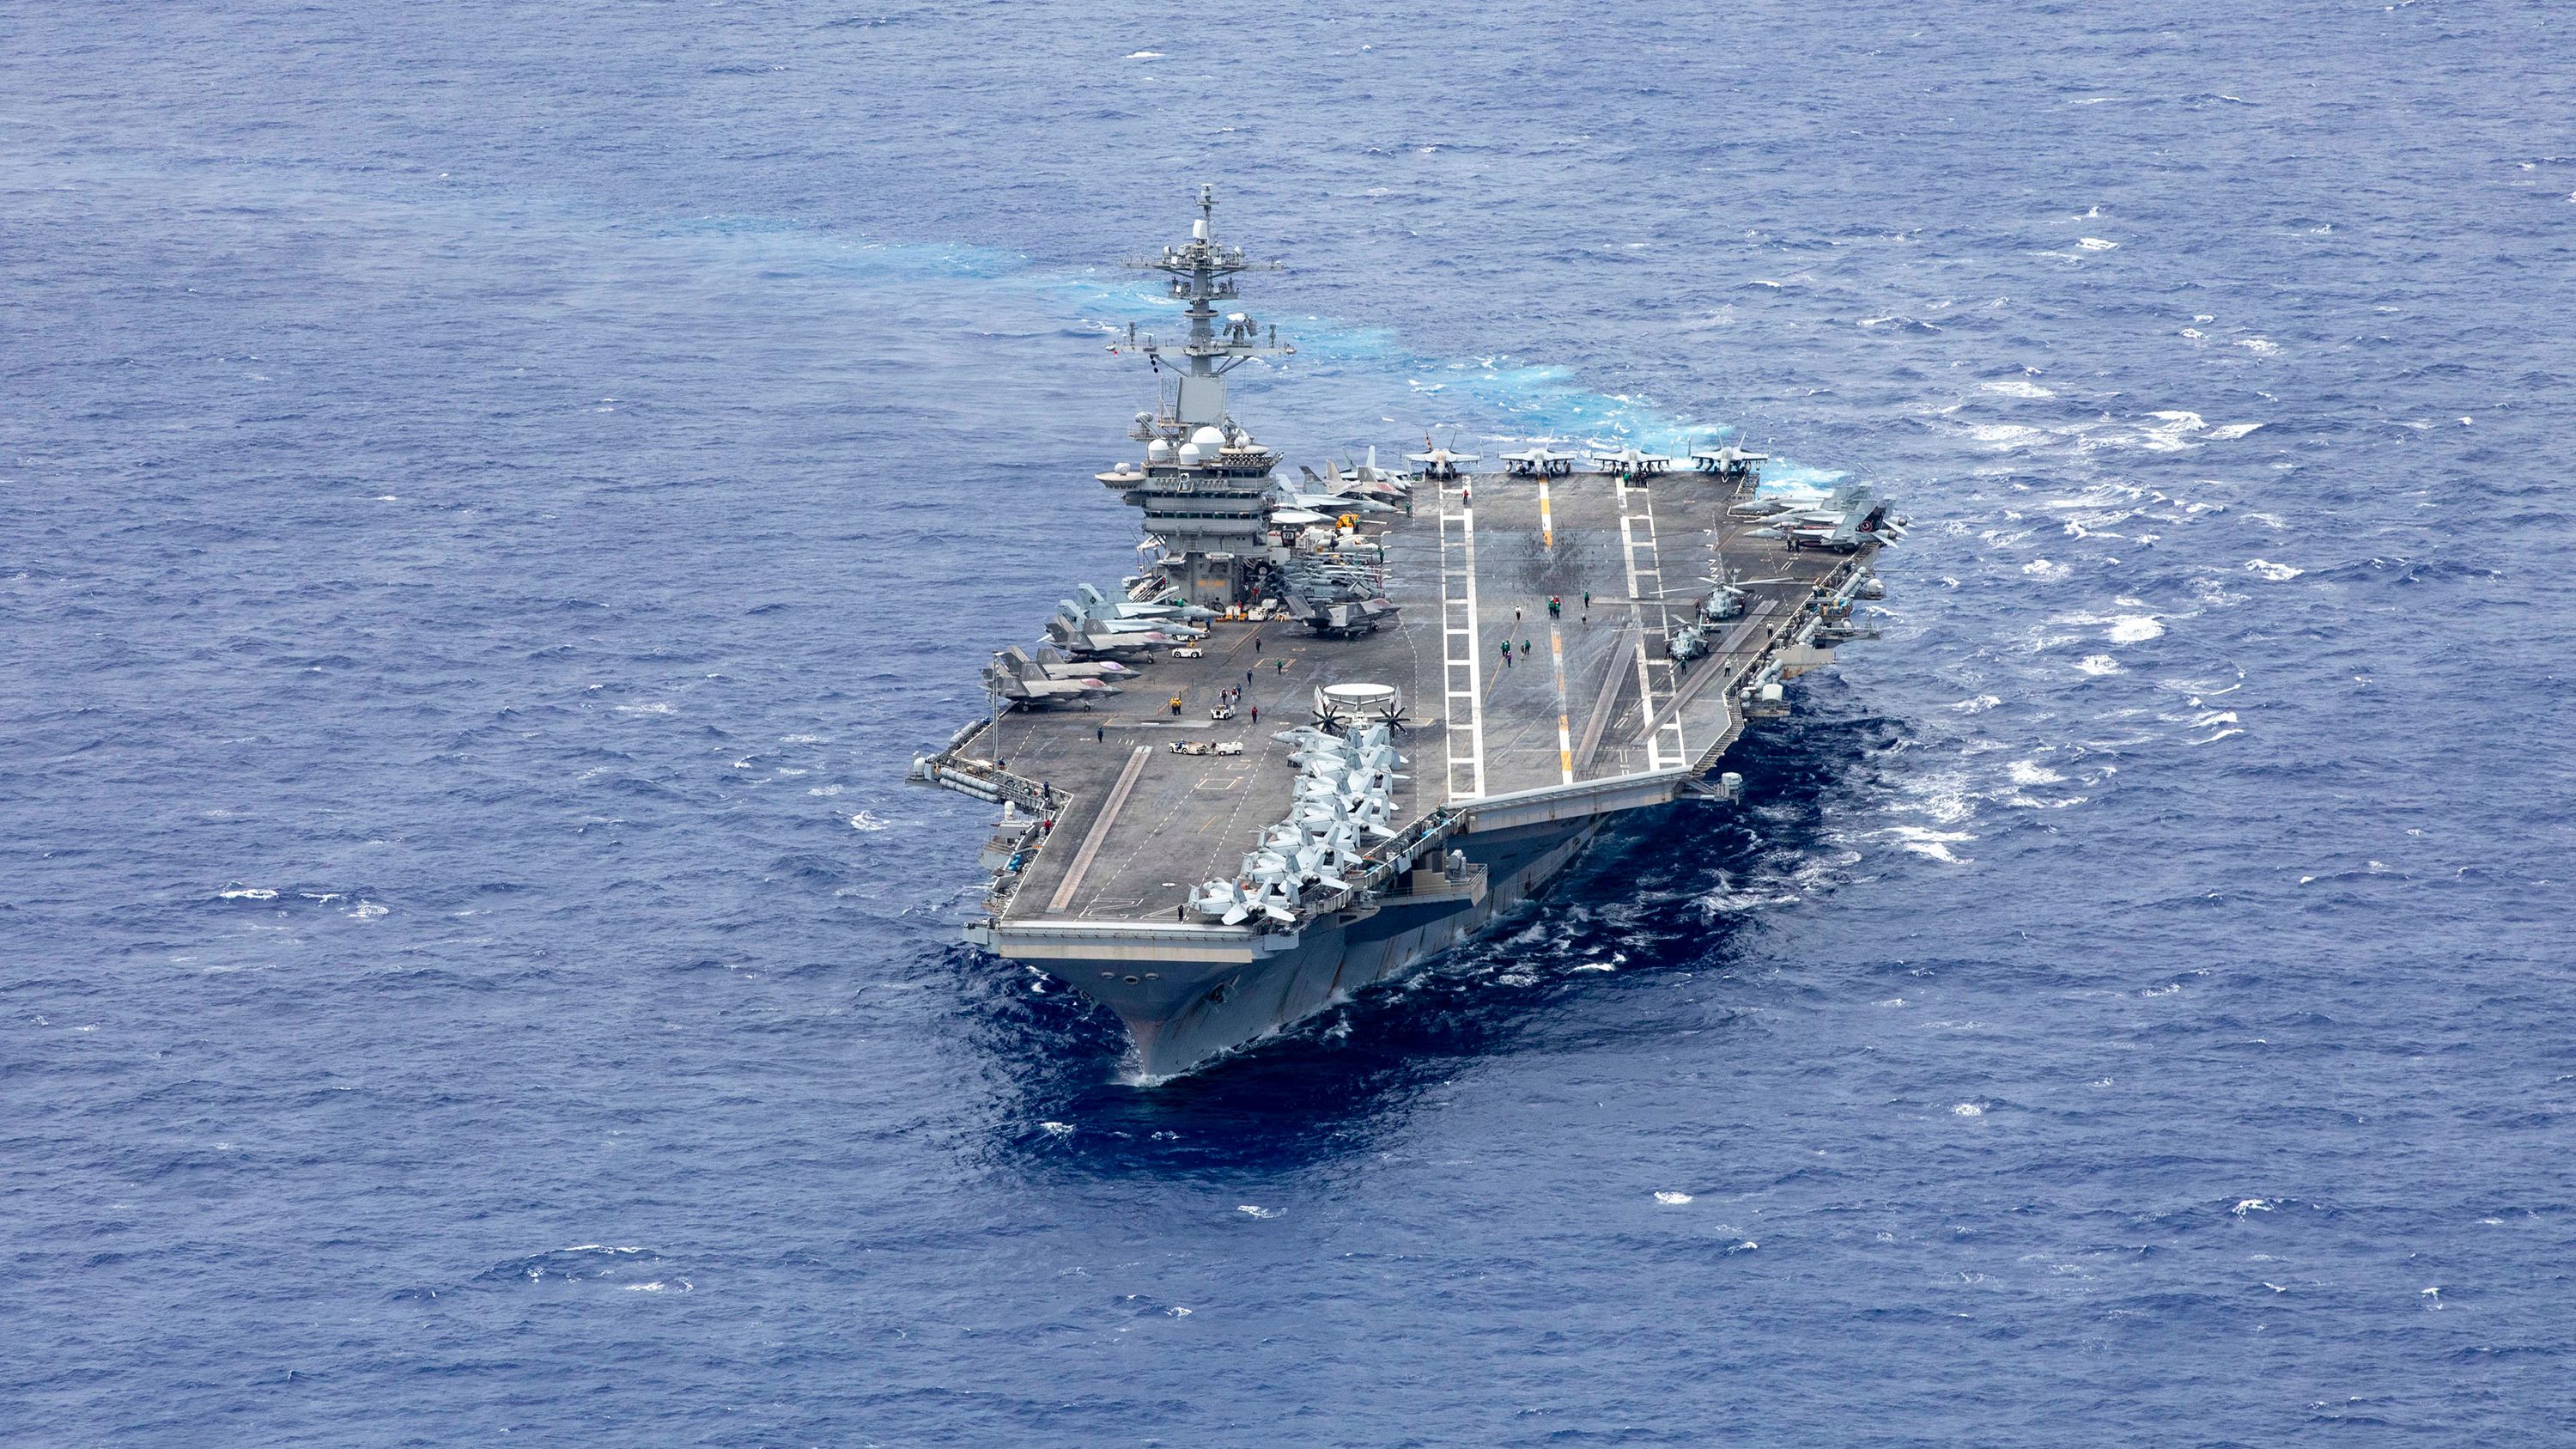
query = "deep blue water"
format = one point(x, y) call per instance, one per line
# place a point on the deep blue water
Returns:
point(492, 497)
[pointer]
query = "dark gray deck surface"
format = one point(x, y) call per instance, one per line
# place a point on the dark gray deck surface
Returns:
point(1184, 819)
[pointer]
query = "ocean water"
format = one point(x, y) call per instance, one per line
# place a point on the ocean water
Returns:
point(492, 497)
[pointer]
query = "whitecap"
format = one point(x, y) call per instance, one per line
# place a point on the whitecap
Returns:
point(2134, 629)
point(2040, 568)
point(657, 707)
point(804, 739)
point(2276, 572)
point(1978, 705)
point(2018, 387)
point(1057, 1129)
point(365, 911)
point(1946, 796)
point(2259, 346)
point(1968, 1109)
point(1930, 844)
point(1144, 55)
point(1726, 902)
point(1250, 1211)
point(2096, 244)
point(1596, 966)
point(1672, 1199)
point(239, 892)
point(2032, 772)
point(867, 822)
point(2229, 432)
point(2165, 435)
point(2252, 1205)
point(2007, 435)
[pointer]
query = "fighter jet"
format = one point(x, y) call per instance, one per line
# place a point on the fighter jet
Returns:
point(1101, 615)
point(1846, 523)
point(1730, 462)
point(1082, 638)
point(1369, 475)
point(1015, 676)
point(1539, 461)
point(1441, 465)
point(1098, 605)
point(1366, 481)
point(1630, 461)
point(1048, 664)
point(1235, 902)
point(1329, 503)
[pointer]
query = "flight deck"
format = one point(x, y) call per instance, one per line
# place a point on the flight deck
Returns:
point(1593, 697)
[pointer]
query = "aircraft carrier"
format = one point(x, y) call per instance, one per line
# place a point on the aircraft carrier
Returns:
point(1346, 718)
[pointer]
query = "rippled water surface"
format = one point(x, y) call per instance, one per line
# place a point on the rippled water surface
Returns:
point(492, 497)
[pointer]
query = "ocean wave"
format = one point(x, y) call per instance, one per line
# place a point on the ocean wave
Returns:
point(2018, 387)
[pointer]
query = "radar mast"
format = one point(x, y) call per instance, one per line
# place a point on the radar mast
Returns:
point(1204, 481)
point(1202, 273)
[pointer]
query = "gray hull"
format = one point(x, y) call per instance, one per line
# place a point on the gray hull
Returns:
point(1181, 1018)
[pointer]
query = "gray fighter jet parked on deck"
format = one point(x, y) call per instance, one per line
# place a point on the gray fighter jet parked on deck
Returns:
point(1851, 520)
point(1014, 675)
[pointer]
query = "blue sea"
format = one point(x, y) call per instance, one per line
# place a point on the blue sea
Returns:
point(492, 498)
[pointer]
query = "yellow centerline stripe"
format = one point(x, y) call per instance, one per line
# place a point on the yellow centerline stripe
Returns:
point(1564, 729)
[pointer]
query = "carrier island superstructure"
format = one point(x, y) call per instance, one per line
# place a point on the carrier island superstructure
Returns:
point(1345, 718)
